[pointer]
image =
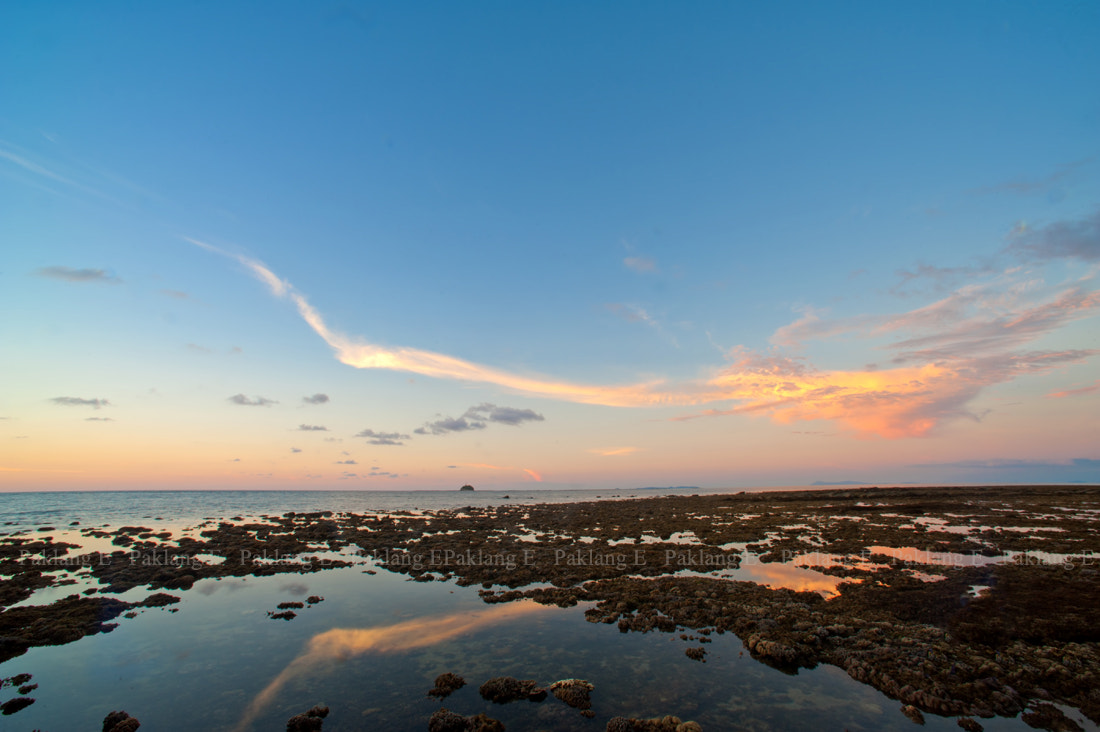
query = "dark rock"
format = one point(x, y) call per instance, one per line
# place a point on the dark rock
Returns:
point(159, 599)
point(913, 713)
point(314, 599)
point(285, 615)
point(445, 720)
point(696, 654)
point(505, 689)
point(120, 722)
point(483, 723)
point(310, 721)
point(574, 692)
point(970, 724)
point(11, 706)
point(1049, 717)
point(446, 684)
point(290, 605)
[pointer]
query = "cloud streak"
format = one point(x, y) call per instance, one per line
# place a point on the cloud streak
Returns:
point(478, 418)
point(71, 274)
point(68, 401)
point(942, 356)
point(383, 438)
point(242, 400)
point(1061, 240)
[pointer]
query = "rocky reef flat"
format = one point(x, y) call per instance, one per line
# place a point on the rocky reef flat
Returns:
point(963, 602)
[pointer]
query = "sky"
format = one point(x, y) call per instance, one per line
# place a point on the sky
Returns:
point(386, 246)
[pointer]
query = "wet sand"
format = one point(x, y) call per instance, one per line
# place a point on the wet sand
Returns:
point(962, 602)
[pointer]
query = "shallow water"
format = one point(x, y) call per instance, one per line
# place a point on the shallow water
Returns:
point(379, 641)
point(373, 647)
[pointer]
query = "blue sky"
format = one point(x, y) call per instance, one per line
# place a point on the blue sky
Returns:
point(755, 206)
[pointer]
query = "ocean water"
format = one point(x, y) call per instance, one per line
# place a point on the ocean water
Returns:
point(22, 511)
point(373, 647)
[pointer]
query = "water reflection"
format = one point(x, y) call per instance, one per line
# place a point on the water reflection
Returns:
point(340, 644)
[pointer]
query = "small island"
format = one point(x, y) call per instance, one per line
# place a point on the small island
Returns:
point(466, 487)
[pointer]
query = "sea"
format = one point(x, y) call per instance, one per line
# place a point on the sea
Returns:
point(372, 648)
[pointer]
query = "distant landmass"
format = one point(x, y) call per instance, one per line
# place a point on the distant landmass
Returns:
point(466, 487)
point(669, 488)
point(840, 482)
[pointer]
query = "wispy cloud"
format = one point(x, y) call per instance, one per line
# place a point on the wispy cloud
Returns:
point(312, 428)
point(478, 418)
point(1091, 389)
point(244, 401)
point(641, 265)
point(176, 294)
point(99, 419)
point(35, 168)
point(533, 475)
point(71, 274)
point(196, 348)
point(944, 355)
point(67, 401)
point(363, 355)
point(346, 462)
point(295, 449)
point(631, 313)
point(1000, 463)
point(892, 403)
point(316, 399)
point(613, 451)
point(382, 438)
point(1060, 240)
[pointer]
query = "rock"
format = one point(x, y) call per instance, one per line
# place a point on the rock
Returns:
point(120, 722)
point(484, 723)
point(574, 692)
point(445, 720)
point(696, 654)
point(314, 599)
point(970, 724)
point(311, 721)
point(505, 689)
point(11, 706)
point(913, 713)
point(159, 599)
point(290, 605)
point(667, 723)
point(446, 684)
point(1049, 717)
point(284, 615)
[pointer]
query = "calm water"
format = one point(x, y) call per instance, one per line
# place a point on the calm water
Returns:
point(372, 649)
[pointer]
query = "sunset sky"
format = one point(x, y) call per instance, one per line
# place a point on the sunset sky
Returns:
point(415, 245)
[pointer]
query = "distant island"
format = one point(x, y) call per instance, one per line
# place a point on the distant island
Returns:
point(466, 487)
point(839, 482)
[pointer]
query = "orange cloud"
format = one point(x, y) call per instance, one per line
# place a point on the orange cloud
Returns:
point(1075, 392)
point(342, 643)
point(961, 344)
point(535, 476)
point(613, 451)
